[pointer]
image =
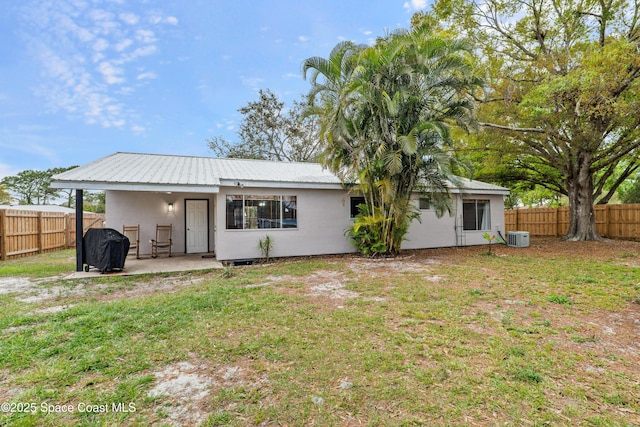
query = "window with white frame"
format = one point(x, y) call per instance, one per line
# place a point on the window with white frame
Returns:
point(247, 212)
point(476, 215)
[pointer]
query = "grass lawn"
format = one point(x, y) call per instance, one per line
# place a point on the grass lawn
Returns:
point(546, 335)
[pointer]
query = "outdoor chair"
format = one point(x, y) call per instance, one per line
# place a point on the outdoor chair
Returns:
point(162, 242)
point(133, 234)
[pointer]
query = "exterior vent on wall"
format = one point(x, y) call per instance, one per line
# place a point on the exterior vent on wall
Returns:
point(518, 239)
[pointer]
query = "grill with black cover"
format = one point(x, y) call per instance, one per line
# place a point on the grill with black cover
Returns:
point(104, 249)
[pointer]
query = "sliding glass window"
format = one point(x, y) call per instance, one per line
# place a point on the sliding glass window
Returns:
point(248, 212)
point(476, 215)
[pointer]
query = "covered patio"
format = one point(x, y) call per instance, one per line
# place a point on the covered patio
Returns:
point(146, 264)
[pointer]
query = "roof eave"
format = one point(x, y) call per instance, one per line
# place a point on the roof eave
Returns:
point(242, 183)
point(136, 186)
point(464, 191)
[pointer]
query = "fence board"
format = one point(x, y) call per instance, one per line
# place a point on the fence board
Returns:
point(24, 233)
point(612, 221)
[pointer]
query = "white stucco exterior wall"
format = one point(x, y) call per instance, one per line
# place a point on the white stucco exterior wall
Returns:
point(323, 217)
point(151, 208)
point(434, 232)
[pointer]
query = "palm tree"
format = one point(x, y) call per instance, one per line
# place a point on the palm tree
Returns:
point(385, 113)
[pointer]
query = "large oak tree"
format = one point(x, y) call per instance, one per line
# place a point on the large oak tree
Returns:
point(563, 91)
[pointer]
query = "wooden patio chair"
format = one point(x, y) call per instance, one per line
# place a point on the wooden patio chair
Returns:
point(133, 234)
point(162, 242)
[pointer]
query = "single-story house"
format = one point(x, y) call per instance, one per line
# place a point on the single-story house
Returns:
point(224, 206)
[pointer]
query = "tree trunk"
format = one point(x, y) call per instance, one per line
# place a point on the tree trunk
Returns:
point(582, 224)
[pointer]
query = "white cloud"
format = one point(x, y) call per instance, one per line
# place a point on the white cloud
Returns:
point(84, 35)
point(88, 51)
point(146, 76)
point(252, 82)
point(303, 38)
point(159, 19)
point(100, 15)
point(111, 74)
point(138, 129)
point(123, 44)
point(414, 5)
point(146, 36)
point(129, 18)
point(100, 45)
point(141, 51)
point(227, 124)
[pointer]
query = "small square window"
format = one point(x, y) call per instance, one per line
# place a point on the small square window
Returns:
point(424, 203)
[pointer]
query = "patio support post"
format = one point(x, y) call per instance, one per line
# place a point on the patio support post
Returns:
point(79, 228)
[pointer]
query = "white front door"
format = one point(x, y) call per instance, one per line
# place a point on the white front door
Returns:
point(197, 226)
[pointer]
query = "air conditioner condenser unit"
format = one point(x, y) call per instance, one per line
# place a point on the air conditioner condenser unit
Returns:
point(518, 239)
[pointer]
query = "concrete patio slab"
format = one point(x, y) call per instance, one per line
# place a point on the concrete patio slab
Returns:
point(146, 264)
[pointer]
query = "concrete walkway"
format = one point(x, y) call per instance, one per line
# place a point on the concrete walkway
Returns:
point(162, 264)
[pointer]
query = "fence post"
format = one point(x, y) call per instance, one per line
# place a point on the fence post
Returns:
point(3, 234)
point(40, 231)
point(558, 228)
point(67, 230)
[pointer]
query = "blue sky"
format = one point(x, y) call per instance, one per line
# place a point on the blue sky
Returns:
point(82, 79)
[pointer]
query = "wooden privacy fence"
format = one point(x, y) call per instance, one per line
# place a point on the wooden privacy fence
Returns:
point(24, 233)
point(612, 221)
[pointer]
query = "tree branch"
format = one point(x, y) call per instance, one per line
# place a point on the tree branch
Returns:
point(511, 128)
point(631, 168)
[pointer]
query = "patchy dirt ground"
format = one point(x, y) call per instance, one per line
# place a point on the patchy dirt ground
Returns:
point(38, 291)
point(183, 389)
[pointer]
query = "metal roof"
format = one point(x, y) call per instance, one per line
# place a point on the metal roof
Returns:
point(159, 172)
point(466, 185)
